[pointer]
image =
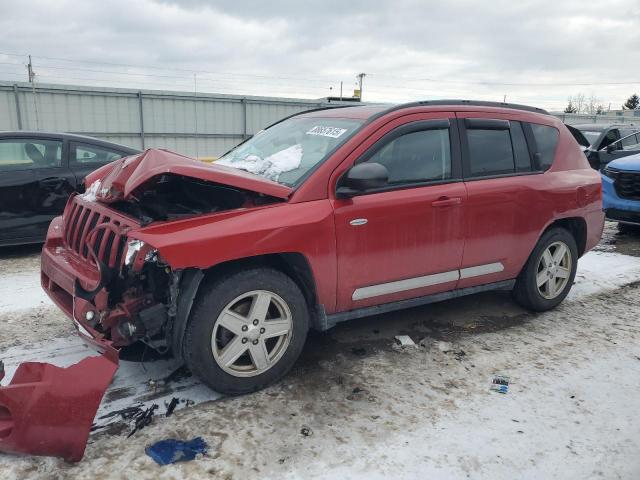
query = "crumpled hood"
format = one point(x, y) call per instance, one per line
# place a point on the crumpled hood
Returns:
point(630, 163)
point(118, 179)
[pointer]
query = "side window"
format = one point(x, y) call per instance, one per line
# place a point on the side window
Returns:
point(416, 157)
point(490, 152)
point(546, 140)
point(630, 142)
point(610, 137)
point(29, 154)
point(84, 153)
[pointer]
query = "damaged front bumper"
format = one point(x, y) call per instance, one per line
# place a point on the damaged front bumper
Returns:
point(49, 410)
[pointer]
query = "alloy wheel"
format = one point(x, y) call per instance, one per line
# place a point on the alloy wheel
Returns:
point(554, 270)
point(252, 333)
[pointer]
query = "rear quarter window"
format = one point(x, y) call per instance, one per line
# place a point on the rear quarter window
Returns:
point(546, 140)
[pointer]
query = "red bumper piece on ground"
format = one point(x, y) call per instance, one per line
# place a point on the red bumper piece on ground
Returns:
point(48, 410)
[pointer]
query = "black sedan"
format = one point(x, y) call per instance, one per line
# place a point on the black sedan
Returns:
point(38, 172)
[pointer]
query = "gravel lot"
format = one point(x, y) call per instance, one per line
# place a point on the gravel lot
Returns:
point(372, 409)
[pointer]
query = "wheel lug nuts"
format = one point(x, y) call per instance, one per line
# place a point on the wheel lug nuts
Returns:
point(262, 330)
point(245, 328)
point(255, 342)
point(255, 322)
point(244, 340)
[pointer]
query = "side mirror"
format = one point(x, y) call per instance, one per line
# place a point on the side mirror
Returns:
point(362, 177)
point(611, 148)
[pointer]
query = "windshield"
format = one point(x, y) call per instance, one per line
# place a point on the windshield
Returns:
point(287, 151)
point(591, 135)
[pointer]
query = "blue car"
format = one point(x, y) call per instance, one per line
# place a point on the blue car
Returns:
point(621, 192)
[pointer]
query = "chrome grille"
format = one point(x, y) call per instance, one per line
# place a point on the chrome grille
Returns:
point(80, 221)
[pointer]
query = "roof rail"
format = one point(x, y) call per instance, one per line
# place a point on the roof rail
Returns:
point(474, 103)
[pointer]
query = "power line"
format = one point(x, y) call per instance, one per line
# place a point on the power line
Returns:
point(189, 71)
point(424, 79)
point(507, 84)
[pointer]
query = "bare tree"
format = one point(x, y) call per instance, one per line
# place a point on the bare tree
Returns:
point(592, 104)
point(579, 101)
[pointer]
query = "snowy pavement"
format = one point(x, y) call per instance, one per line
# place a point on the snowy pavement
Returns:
point(373, 409)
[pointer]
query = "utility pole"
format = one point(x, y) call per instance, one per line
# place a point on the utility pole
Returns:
point(504, 99)
point(360, 78)
point(340, 91)
point(32, 77)
point(30, 71)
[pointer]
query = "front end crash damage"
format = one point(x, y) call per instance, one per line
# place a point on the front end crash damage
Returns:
point(116, 288)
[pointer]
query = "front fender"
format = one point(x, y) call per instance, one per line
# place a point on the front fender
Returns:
point(209, 240)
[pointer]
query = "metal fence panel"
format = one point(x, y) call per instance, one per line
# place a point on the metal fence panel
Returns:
point(195, 124)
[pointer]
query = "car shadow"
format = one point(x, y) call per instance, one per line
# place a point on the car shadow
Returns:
point(19, 251)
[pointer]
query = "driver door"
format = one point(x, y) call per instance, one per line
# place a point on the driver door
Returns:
point(406, 239)
point(35, 183)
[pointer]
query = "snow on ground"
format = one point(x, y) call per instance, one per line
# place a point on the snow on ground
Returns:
point(374, 409)
point(25, 291)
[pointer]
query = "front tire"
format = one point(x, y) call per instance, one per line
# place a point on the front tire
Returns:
point(549, 273)
point(246, 330)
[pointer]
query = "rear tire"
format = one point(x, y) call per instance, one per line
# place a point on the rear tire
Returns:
point(628, 229)
point(246, 330)
point(549, 272)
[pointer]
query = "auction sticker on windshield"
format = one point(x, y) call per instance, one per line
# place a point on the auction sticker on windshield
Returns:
point(333, 132)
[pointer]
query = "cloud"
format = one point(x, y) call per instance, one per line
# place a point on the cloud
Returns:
point(409, 48)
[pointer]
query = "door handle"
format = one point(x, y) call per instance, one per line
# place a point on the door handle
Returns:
point(51, 181)
point(358, 221)
point(446, 202)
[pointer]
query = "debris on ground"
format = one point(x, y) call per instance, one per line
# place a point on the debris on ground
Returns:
point(358, 394)
point(500, 383)
point(405, 341)
point(447, 347)
point(142, 419)
point(306, 431)
point(170, 451)
point(172, 406)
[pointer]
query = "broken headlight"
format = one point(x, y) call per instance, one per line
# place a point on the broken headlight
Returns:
point(135, 247)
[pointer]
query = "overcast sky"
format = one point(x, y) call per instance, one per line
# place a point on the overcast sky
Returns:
point(535, 52)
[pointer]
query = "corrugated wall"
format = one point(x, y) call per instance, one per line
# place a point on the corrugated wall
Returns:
point(202, 125)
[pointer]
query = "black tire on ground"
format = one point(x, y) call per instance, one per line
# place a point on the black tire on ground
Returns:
point(526, 291)
point(629, 229)
point(212, 298)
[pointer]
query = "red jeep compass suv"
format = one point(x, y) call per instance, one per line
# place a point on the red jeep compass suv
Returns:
point(323, 217)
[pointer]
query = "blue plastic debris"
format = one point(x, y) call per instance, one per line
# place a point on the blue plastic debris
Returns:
point(500, 383)
point(170, 451)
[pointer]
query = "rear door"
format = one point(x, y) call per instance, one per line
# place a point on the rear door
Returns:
point(497, 167)
point(85, 157)
point(404, 240)
point(35, 182)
